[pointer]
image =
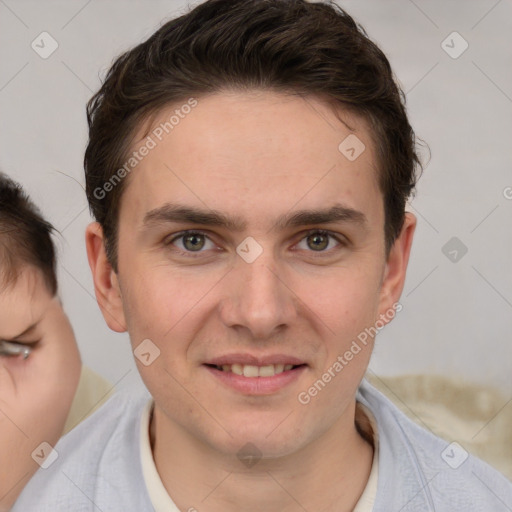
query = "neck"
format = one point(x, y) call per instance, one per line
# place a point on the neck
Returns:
point(328, 474)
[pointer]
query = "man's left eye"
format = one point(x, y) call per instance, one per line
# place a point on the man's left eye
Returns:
point(318, 241)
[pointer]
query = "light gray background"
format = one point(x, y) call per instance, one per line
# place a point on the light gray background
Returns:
point(457, 316)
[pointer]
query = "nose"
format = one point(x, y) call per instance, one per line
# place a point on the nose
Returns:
point(258, 299)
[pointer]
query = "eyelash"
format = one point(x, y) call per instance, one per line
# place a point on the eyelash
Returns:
point(23, 343)
point(194, 254)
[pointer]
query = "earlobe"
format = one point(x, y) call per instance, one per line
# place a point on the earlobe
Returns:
point(396, 266)
point(106, 284)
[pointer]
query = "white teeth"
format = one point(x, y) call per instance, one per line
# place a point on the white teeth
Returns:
point(266, 371)
point(237, 368)
point(249, 370)
point(278, 368)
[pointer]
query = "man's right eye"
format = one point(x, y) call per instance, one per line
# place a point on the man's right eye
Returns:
point(191, 241)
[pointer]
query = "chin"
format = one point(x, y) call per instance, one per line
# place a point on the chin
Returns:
point(260, 436)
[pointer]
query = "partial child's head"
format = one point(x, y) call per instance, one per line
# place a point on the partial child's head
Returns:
point(36, 392)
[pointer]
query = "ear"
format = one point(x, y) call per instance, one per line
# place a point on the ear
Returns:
point(106, 284)
point(396, 266)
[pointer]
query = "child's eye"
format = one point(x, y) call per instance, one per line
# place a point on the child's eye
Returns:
point(319, 241)
point(10, 348)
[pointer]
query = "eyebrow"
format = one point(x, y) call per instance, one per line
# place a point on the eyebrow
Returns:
point(178, 213)
point(28, 330)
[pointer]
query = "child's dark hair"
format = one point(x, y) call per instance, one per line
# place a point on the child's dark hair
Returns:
point(25, 237)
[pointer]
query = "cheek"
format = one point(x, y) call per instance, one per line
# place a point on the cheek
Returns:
point(67, 359)
point(165, 309)
point(345, 300)
point(157, 296)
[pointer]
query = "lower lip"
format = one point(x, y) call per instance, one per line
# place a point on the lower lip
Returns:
point(257, 385)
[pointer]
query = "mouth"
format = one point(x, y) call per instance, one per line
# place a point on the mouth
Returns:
point(253, 371)
point(251, 375)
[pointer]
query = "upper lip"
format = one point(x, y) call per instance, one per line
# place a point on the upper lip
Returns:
point(250, 359)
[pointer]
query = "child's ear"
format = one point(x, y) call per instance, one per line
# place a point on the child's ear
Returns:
point(106, 284)
point(396, 266)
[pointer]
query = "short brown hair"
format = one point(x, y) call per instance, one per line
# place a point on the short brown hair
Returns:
point(25, 237)
point(289, 46)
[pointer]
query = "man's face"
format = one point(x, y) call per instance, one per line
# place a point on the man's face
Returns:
point(308, 280)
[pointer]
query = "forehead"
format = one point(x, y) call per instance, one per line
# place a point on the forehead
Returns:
point(254, 154)
point(23, 302)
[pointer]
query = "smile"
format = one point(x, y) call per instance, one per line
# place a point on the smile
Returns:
point(252, 371)
point(250, 379)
